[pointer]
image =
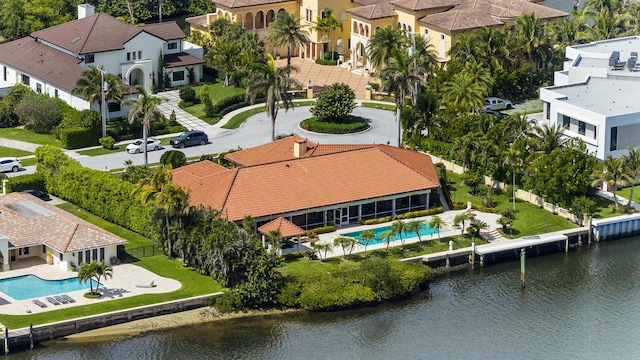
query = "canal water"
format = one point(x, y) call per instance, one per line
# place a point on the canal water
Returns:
point(581, 305)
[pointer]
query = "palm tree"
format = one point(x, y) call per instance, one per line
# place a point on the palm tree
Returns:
point(386, 237)
point(530, 37)
point(632, 163)
point(345, 243)
point(382, 44)
point(145, 108)
point(226, 56)
point(425, 55)
point(519, 127)
point(492, 45)
point(436, 223)
point(476, 226)
point(613, 172)
point(549, 138)
point(480, 73)
point(504, 222)
point(285, 30)
point(415, 226)
point(365, 237)
point(324, 247)
point(274, 82)
point(397, 228)
point(462, 50)
point(463, 92)
point(607, 25)
point(400, 76)
point(514, 158)
point(174, 202)
point(86, 273)
point(460, 219)
point(321, 25)
point(275, 238)
point(332, 24)
point(102, 270)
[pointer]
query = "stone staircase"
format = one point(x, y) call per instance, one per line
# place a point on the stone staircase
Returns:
point(492, 235)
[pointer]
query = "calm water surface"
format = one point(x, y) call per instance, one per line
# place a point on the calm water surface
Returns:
point(584, 305)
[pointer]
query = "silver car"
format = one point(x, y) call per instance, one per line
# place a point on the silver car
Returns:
point(10, 164)
point(494, 103)
point(136, 147)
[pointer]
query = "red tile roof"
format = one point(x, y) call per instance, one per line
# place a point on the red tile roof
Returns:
point(181, 59)
point(285, 227)
point(416, 5)
point(198, 20)
point(372, 12)
point(308, 182)
point(28, 221)
point(42, 61)
point(166, 30)
point(244, 3)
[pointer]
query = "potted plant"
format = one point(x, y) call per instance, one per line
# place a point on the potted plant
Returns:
point(114, 260)
point(73, 266)
point(49, 258)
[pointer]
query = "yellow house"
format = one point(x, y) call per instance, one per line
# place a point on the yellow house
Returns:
point(439, 20)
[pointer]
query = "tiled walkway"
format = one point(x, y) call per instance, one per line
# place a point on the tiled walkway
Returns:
point(170, 100)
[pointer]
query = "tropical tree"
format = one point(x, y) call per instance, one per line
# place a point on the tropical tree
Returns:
point(286, 30)
point(416, 226)
point(275, 238)
point(476, 226)
point(145, 108)
point(226, 57)
point(174, 203)
point(519, 127)
point(273, 82)
point(386, 237)
point(505, 222)
point(547, 138)
point(365, 237)
point(530, 37)
point(463, 92)
point(86, 273)
point(424, 54)
point(397, 228)
point(324, 248)
point(102, 270)
point(89, 86)
point(463, 50)
point(613, 172)
point(459, 220)
point(401, 77)
point(513, 158)
point(382, 44)
point(437, 224)
point(345, 243)
point(632, 163)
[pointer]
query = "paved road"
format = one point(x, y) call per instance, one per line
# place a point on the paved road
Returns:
point(256, 130)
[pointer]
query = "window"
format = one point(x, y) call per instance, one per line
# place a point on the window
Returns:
point(38, 87)
point(566, 121)
point(23, 251)
point(95, 254)
point(426, 32)
point(61, 257)
point(172, 45)
point(582, 128)
point(442, 37)
point(5, 74)
point(613, 141)
point(308, 15)
point(178, 75)
point(79, 257)
point(139, 55)
point(548, 116)
point(25, 79)
point(343, 15)
point(399, 26)
point(44, 249)
point(89, 59)
point(325, 13)
point(101, 254)
point(128, 56)
point(114, 106)
point(133, 56)
point(55, 93)
point(87, 256)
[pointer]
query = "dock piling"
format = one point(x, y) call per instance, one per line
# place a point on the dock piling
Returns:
point(31, 336)
point(523, 257)
point(6, 341)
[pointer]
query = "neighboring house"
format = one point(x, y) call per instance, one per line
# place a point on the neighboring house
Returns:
point(595, 96)
point(313, 185)
point(442, 21)
point(32, 228)
point(51, 60)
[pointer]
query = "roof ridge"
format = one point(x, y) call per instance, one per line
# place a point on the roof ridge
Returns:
point(73, 233)
point(226, 197)
point(382, 148)
point(89, 33)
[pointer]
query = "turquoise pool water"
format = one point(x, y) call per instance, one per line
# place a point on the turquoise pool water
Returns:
point(425, 231)
point(30, 286)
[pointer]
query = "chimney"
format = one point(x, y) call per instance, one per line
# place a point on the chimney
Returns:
point(85, 10)
point(299, 148)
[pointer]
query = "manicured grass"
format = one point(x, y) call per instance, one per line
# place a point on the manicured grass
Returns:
point(351, 124)
point(197, 110)
point(9, 152)
point(28, 161)
point(238, 119)
point(134, 239)
point(390, 107)
point(604, 208)
point(193, 284)
point(217, 91)
point(101, 151)
point(530, 219)
point(28, 136)
point(626, 192)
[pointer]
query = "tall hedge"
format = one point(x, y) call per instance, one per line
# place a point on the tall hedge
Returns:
point(96, 191)
point(79, 137)
point(26, 182)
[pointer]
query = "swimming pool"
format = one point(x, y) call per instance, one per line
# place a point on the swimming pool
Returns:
point(377, 231)
point(30, 286)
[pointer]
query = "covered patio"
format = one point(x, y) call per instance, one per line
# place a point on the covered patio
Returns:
point(283, 228)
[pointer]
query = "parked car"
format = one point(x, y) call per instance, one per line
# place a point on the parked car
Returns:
point(494, 103)
point(190, 138)
point(39, 194)
point(136, 147)
point(10, 164)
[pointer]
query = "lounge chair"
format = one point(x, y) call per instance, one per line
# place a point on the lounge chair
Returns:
point(68, 298)
point(39, 303)
point(146, 285)
point(61, 299)
point(53, 301)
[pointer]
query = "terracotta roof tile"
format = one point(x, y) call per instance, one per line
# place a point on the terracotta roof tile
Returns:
point(307, 183)
point(370, 2)
point(166, 31)
point(285, 227)
point(42, 61)
point(92, 34)
point(181, 59)
point(416, 5)
point(198, 20)
point(28, 221)
point(372, 12)
point(244, 3)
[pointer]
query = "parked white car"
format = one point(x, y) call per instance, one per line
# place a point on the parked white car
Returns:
point(10, 164)
point(494, 103)
point(137, 146)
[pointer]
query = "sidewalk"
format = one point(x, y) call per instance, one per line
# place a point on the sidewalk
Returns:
point(621, 201)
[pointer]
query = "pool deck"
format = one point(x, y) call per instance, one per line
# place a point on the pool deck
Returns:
point(121, 285)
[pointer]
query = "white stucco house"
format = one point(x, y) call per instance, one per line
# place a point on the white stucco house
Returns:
point(596, 96)
point(31, 228)
point(51, 60)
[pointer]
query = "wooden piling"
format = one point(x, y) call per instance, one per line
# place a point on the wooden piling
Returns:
point(523, 257)
point(6, 341)
point(31, 336)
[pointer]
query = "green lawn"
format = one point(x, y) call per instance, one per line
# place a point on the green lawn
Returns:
point(193, 284)
point(197, 110)
point(101, 151)
point(217, 91)
point(626, 192)
point(9, 152)
point(28, 136)
point(530, 219)
point(238, 119)
point(28, 161)
point(390, 107)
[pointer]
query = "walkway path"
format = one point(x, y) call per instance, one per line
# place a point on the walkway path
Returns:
point(31, 147)
point(622, 201)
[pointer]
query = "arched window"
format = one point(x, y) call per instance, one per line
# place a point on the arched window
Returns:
point(361, 30)
point(355, 27)
point(260, 20)
point(340, 46)
point(366, 31)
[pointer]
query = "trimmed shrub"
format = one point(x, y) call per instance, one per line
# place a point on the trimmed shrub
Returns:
point(226, 102)
point(187, 94)
point(335, 103)
point(107, 142)
point(184, 104)
point(38, 113)
point(206, 100)
point(174, 158)
point(173, 129)
point(326, 62)
point(327, 56)
point(322, 230)
point(233, 107)
point(293, 255)
point(27, 182)
point(8, 117)
point(352, 124)
point(75, 138)
point(331, 292)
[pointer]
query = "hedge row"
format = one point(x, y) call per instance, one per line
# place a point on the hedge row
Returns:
point(26, 182)
point(350, 125)
point(79, 137)
point(321, 230)
point(224, 103)
point(326, 62)
point(482, 208)
point(96, 191)
point(407, 215)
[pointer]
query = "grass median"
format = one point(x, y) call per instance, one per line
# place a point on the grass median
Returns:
point(29, 136)
point(238, 119)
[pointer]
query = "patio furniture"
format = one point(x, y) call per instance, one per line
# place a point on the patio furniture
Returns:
point(68, 298)
point(60, 299)
point(53, 301)
point(146, 285)
point(39, 303)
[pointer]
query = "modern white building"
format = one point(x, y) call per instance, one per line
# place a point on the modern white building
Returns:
point(596, 97)
point(51, 60)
